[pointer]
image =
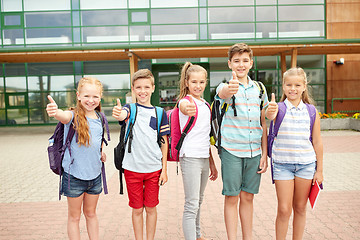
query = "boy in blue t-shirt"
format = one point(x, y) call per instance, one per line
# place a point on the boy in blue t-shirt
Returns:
point(243, 142)
point(145, 167)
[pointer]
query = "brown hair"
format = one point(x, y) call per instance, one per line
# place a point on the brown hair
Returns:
point(80, 121)
point(143, 73)
point(239, 48)
point(297, 71)
point(186, 70)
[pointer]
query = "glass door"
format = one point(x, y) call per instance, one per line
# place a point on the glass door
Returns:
point(167, 77)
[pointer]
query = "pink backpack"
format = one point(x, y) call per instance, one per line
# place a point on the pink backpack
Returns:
point(177, 135)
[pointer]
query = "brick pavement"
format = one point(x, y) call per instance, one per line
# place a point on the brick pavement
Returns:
point(29, 208)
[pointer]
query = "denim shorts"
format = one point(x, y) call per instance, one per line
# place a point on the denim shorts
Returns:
point(288, 171)
point(239, 174)
point(78, 186)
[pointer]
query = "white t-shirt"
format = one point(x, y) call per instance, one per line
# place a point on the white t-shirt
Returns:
point(197, 142)
point(146, 155)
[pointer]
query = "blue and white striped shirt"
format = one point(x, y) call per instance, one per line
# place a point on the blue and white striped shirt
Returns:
point(292, 144)
point(241, 135)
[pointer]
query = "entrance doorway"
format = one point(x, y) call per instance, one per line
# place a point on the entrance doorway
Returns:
point(167, 77)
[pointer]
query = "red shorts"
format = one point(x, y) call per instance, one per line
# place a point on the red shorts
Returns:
point(142, 188)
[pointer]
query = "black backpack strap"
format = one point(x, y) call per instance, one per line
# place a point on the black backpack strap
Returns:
point(103, 123)
point(233, 105)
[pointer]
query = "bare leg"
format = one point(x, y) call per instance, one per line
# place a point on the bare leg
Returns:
point(246, 214)
point(231, 216)
point(74, 213)
point(285, 193)
point(137, 220)
point(89, 209)
point(151, 218)
point(302, 188)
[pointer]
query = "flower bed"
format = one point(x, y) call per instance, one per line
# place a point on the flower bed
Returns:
point(335, 121)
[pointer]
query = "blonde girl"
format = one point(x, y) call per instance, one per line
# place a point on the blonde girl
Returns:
point(195, 155)
point(298, 162)
point(83, 170)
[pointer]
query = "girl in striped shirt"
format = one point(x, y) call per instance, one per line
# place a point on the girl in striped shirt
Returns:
point(298, 161)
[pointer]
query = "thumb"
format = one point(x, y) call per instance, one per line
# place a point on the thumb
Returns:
point(191, 100)
point(234, 75)
point(51, 99)
point(273, 97)
point(118, 102)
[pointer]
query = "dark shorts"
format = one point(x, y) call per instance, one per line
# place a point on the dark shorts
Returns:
point(78, 186)
point(239, 174)
point(142, 188)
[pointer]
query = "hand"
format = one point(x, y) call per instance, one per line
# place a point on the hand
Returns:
point(52, 107)
point(263, 164)
point(163, 178)
point(117, 110)
point(233, 85)
point(272, 109)
point(213, 172)
point(190, 108)
point(318, 176)
point(103, 157)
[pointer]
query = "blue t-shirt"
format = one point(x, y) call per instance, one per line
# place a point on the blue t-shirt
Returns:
point(87, 160)
point(146, 155)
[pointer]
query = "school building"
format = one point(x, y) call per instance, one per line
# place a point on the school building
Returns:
point(46, 46)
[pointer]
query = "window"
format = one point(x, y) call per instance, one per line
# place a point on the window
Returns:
point(48, 35)
point(11, 5)
point(173, 3)
point(105, 17)
point(231, 14)
point(178, 15)
point(43, 5)
point(105, 34)
point(139, 17)
point(103, 4)
point(174, 32)
point(12, 20)
point(50, 19)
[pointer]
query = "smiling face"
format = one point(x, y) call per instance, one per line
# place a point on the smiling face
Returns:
point(89, 96)
point(143, 88)
point(196, 83)
point(241, 63)
point(293, 88)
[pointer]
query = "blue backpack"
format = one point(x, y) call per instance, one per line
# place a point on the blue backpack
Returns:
point(57, 148)
point(126, 135)
point(274, 128)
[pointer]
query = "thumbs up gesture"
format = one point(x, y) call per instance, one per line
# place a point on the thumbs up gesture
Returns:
point(190, 108)
point(117, 110)
point(52, 107)
point(233, 84)
point(272, 109)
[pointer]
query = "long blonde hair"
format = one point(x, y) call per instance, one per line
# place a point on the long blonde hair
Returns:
point(186, 70)
point(298, 71)
point(80, 121)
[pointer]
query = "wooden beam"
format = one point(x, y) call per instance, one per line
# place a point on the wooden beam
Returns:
point(294, 57)
point(133, 59)
point(283, 64)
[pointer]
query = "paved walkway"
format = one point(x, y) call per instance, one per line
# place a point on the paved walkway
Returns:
point(29, 208)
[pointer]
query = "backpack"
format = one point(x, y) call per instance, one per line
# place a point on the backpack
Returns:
point(126, 135)
point(274, 128)
point(177, 135)
point(57, 148)
point(218, 111)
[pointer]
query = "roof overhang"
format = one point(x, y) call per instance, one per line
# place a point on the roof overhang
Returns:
point(101, 53)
